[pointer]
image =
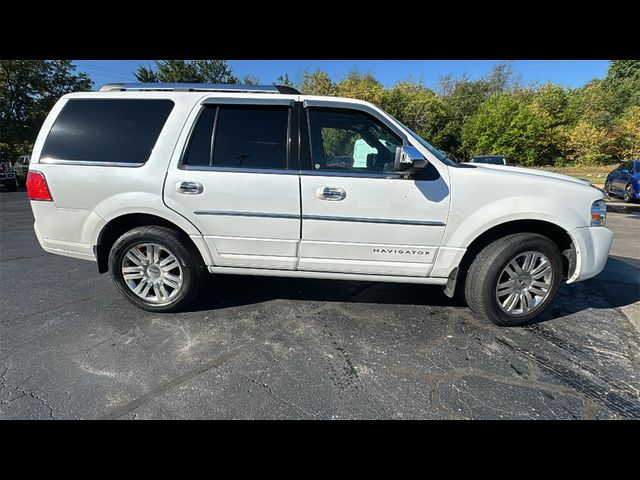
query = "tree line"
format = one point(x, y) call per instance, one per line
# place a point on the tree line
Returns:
point(531, 124)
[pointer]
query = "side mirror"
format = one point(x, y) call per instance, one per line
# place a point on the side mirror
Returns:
point(409, 160)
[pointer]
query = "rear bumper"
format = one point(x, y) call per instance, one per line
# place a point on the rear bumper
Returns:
point(83, 251)
point(592, 250)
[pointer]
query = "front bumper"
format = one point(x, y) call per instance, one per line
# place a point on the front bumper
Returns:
point(592, 250)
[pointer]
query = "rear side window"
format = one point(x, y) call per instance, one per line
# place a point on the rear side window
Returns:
point(243, 137)
point(106, 130)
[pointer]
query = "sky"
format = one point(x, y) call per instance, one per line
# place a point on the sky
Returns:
point(570, 73)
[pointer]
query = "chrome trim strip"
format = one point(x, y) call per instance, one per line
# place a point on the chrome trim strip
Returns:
point(318, 217)
point(247, 214)
point(281, 171)
point(341, 103)
point(324, 173)
point(284, 272)
point(373, 220)
point(248, 101)
point(189, 87)
point(274, 171)
point(56, 161)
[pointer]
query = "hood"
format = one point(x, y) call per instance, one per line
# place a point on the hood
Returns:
point(530, 171)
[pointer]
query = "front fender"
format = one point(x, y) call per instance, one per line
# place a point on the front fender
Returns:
point(467, 224)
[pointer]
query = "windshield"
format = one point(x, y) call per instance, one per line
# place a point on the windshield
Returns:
point(437, 153)
point(489, 160)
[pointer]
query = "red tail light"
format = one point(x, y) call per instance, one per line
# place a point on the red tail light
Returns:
point(37, 188)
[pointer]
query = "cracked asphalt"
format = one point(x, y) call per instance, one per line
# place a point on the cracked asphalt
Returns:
point(267, 348)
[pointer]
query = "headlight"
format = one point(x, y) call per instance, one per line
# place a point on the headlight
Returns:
point(598, 213)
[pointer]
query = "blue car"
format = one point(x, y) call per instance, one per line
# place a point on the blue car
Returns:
point(624, 181)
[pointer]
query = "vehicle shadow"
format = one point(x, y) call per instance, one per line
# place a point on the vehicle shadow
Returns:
point(617, 286)
point(223, 291)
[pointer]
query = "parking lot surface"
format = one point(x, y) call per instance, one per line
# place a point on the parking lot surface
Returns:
point(270, 348)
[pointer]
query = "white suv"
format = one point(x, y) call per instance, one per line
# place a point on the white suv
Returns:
point(161, 183)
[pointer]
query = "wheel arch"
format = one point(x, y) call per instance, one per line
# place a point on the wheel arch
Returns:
point(554, 232)
point(123, 223)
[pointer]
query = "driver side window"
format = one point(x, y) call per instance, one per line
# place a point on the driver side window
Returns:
point(350, 141)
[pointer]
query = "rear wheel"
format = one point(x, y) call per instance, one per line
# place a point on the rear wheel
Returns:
point(155, 269)
point(628, 193)
point(514, 279)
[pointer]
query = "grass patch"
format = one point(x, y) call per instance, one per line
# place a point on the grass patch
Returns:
point(596, 174)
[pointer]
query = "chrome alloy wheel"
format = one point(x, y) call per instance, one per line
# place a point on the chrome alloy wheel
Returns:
point(524, 284)
point(152, 272)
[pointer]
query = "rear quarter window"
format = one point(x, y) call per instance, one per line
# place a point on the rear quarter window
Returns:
point(107, 130)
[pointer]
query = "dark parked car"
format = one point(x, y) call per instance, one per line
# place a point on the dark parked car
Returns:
point(624, 181)
point(7, 176)
point(490, 159)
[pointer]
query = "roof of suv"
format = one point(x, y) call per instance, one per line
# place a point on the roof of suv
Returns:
point(204, 90)
point(198, 87)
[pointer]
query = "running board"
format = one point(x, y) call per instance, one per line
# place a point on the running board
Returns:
point(327, 275)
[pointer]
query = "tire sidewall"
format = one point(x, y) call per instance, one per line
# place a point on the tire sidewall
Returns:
point(628, 187)
point(171, 242)
point(539, 244)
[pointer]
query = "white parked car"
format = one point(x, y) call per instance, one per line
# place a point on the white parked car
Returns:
point(161, 183)
point(21, 166)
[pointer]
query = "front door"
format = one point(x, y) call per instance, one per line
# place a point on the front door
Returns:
point(358, 215)
point(234, 184)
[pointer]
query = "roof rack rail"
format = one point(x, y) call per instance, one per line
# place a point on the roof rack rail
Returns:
point(198, 87)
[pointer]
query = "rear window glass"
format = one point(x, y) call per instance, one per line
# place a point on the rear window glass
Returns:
point(251, 137)
point(101, 130)
point(245, 137)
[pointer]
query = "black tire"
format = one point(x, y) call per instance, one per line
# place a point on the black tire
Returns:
point(628, 193)
point(484, 272)
point(191, 266)
point(607, 186)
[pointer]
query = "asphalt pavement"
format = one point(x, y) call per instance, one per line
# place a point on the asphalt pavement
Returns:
point(255, 347)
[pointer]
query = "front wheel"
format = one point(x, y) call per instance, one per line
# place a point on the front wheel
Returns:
point(155, 269)
point(514, 279)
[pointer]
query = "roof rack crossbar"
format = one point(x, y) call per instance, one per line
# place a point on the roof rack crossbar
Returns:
point(198, 87)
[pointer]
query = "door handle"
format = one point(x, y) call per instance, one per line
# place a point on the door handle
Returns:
point(189, 188)
point(331, 193)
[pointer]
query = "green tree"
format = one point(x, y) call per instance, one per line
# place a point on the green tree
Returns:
point(587, 144)
point(506, 125)
point(619, 69)
point(417, 107)
point(621, 87)
point(284, 80)
point(462, 97)
point(590, 102)
point(361, 86)
point(28, 91)
point(191, 71)
point(629, 134)
point(317, 83)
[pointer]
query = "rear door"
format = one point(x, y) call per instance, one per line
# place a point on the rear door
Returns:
point(622, 176)
point(359, 216)
point(234, 182)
